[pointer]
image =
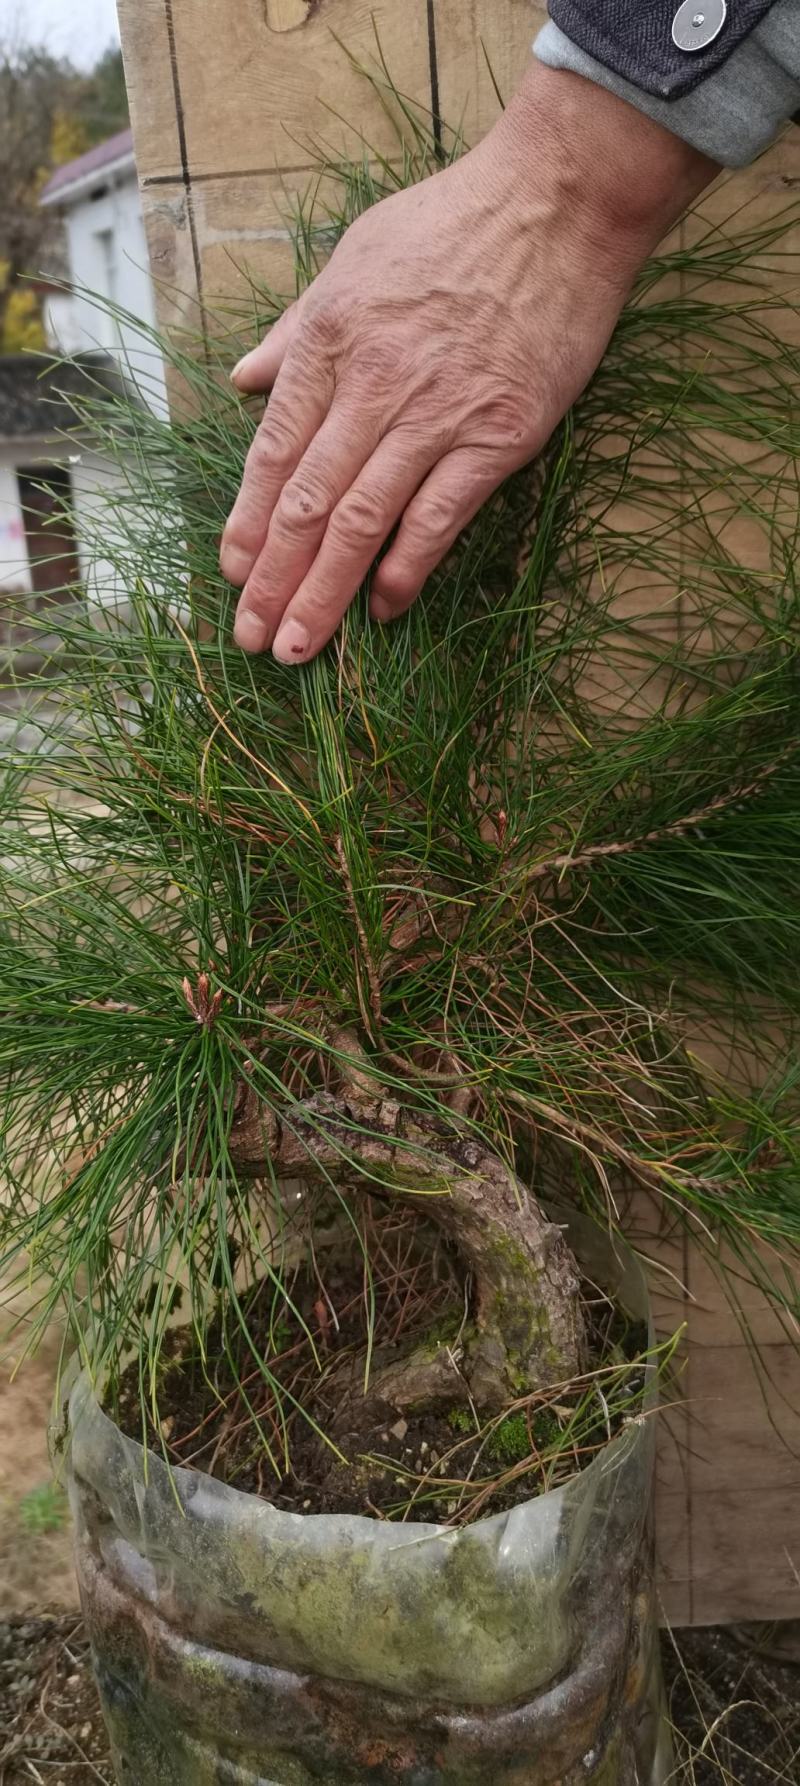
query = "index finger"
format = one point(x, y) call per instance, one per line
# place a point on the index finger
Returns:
point(295, 412)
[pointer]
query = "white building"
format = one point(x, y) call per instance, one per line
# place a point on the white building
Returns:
point(96, 199)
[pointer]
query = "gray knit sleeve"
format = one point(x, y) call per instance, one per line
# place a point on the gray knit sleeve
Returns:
point(737, 110)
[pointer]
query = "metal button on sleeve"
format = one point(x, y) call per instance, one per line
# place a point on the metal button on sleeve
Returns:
point(697, 23)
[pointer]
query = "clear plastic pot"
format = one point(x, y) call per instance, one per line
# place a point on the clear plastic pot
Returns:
point(235, 1642)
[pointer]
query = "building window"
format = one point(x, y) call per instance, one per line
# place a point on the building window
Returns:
point(45, 494)
point(109, 286)
point(106, 243)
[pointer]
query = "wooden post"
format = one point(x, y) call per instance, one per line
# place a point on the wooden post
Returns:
point(228, 99)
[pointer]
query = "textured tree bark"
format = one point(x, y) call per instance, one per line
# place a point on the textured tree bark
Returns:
point(525, 1330)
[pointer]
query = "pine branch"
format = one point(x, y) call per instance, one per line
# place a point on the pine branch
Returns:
point(559, 865)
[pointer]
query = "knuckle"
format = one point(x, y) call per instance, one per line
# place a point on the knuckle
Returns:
point(397, 583)
point(360, 518)
point(301, 509)
point(260, 596)
point(385, 363)
point(273, 450)
point(511, 419)
point(433, 519)
point(514, 429)
point(325, 321)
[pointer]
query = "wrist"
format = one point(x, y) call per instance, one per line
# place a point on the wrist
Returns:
point(621, 179)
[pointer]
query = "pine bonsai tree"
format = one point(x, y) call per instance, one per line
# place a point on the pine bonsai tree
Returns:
point(459, 909)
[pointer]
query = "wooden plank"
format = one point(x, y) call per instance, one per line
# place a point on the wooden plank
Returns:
point(747, 1408)
point(146, 29)
point(728, 1469)
point(743, 1558)
point(265, 96)
point(230, 104)
point(481, 46)
point(224, 137)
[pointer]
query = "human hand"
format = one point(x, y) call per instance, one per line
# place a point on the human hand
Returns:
point(454, 325)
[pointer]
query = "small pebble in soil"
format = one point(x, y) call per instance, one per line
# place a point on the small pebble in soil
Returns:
point(50, 1725)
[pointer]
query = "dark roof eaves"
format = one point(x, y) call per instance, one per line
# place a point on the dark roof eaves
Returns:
point(118, 148)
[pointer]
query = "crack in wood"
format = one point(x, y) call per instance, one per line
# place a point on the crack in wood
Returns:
point(185, 170)
point(433, 62)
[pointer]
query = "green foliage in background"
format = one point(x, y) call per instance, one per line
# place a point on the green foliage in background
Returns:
point(49, 113)
point(537, 843)
point(22, 330)
point(44, 1510)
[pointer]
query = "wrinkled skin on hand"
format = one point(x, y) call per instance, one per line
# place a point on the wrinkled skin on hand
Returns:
point(452, 328)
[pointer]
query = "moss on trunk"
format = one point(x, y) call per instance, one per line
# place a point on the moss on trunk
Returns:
point(524, 1330)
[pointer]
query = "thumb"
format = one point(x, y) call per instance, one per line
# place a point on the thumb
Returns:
point(258, 370)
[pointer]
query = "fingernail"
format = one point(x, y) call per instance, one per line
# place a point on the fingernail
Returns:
point(235, 564)
point(379, 608)
point(292, 642)
point(249, 630)
point(239, 367)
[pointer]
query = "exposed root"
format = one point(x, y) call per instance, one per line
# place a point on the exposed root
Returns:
point(525, 1330)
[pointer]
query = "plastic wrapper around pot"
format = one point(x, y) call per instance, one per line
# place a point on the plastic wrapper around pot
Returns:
point(236, 1642)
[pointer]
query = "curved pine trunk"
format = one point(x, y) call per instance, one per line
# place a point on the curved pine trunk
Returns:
point(525, 1330)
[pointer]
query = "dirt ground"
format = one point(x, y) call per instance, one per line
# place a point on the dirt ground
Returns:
point(35, 1546)
point(51, 1728)
point(734, 1704)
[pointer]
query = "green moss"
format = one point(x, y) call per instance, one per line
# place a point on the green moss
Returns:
point(518, 1300)
point(460, 1420)
point(505, 1248)
point(546, 1430)
point(443, 1332)
point(509, 1443)
point(407, 1178)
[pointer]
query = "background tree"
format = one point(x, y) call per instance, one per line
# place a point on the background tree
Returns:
point(49, 112)
point(101, 98)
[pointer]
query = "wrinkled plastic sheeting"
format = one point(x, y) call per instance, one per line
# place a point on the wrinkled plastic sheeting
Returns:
point(236, 1642)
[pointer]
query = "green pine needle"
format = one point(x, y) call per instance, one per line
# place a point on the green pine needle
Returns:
point(540, 839)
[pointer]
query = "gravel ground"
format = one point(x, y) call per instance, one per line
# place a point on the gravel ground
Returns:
point(51, 1729)
point(735, 1707)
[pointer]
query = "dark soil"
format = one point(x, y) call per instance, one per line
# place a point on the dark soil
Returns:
point(440, 1463)
point(450, 1466)
point(734, 1702)
point(51, 1728)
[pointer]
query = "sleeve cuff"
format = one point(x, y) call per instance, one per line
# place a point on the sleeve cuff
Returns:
point(734, 115)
